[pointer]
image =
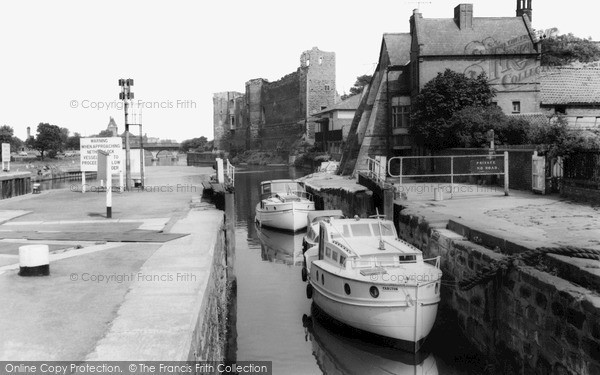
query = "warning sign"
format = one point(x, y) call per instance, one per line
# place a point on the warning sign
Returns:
point(89, 153)
point(487, 166)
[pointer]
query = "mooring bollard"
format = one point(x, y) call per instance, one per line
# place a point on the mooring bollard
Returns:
point(34, 260)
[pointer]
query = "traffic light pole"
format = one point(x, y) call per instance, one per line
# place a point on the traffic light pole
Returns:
point(127, 155)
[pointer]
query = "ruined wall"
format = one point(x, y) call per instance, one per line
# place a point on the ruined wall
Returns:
point(225, 105)
point(532, 321)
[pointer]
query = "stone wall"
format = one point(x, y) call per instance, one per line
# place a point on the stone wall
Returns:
point(209, 336)
point(351, 203)
point(532, 321)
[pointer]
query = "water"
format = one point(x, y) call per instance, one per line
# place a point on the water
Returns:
point(274, 321)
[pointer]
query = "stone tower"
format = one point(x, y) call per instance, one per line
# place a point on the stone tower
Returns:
point(524, 7)
point(112, 127)
point(319, 83)
point(320, 79)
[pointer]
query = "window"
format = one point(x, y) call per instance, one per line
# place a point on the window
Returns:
point(323, 107)
point(335, 256)
point(401, 116)
point(495, 104)
point(327, 88)
point(232, 121)
point(560, 109)
point(328, 252)
point(516, 107)
point(320, 60)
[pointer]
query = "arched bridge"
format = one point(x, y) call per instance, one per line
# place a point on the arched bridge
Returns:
point(156, 148)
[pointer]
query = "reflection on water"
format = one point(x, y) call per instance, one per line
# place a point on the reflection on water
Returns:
point(280, 247)
point(339, 352)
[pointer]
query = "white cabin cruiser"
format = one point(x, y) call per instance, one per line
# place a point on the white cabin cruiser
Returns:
point(361, 274)
point(314, 217)
point(284, 205)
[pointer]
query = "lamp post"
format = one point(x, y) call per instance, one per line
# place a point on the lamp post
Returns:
point(125, 95)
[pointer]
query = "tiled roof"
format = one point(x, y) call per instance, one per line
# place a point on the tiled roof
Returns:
point(532, 118)
point(489, 35)
point(350, 104)
point(570, 86)
point(398, 47)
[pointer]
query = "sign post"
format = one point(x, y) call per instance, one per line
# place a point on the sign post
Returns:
point(89, 155)
point(105, 172)
point(6, 156)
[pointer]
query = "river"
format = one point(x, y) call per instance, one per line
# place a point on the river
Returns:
point(272, 316)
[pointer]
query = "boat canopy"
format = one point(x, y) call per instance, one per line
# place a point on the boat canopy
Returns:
point(280, 186)
point(315, 215)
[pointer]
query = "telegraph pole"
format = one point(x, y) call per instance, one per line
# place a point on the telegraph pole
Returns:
point(125, 95)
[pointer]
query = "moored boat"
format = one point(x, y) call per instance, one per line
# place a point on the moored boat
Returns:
point(313, 219)
point(284, 205)
point(361, 274)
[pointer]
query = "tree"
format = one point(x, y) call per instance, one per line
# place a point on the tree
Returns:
point(566, 49)
point(558, 139)
point(104, 134)
point(7, 136)
point(359, 85)
point(439, 100)
point(194, 144)
point(73, 142)
point(48, 138)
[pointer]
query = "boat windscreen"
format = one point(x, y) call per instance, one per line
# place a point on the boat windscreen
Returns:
point(361, 230)
point(386, 229)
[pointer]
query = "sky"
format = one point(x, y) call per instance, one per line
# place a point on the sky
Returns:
point(61, 60)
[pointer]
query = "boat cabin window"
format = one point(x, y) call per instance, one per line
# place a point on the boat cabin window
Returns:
point(335, 256)
point(347, 231)
point(266, 189)
point(342, 260)
point(361, 230)
point(386, 229)
point(407, 258)
point(328, 252)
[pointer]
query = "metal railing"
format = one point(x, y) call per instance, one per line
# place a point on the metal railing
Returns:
point(481, 169)
point(230, 173)
point(376, 170)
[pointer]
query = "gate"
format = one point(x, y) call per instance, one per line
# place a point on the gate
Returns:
point(538, 170)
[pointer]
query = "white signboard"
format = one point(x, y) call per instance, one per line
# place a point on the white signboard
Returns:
point(89, 152)
point(6, 152)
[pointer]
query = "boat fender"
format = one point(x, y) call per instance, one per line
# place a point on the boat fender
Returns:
point(309, 291)
point(304, 274)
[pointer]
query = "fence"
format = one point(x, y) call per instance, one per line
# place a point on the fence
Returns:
point(453, 166)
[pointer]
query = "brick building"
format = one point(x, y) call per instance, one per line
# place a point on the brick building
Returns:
point(504, 48)
point(272, 115)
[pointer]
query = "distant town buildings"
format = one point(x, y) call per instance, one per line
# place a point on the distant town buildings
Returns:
point(273, 115)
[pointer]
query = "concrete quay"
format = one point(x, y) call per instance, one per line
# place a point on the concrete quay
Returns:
point(148, 284)
point(532, 319)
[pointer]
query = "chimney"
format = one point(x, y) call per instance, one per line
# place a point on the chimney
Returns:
point(463, 16)
point(28, 132)
point(524, 7)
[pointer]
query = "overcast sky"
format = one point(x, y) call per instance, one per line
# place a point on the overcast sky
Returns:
point(61, 60)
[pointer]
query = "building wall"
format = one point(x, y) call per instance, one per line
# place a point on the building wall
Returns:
point(275, 114)
point(514, 79)
point(224, 106)
point(585, 117)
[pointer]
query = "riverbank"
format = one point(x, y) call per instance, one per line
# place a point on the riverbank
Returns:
point(162, 248)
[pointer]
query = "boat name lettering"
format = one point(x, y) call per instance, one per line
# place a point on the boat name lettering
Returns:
point(389, 288)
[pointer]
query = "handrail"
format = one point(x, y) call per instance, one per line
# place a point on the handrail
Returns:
point(230, 172)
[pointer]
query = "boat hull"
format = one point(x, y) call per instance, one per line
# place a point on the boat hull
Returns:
point(408, 324)
point(290, 217)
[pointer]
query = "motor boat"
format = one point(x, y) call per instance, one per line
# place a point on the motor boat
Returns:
point(284, 205)
point(280, 247)
point(313, 219)
point(362, 275)
point(338, 351)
